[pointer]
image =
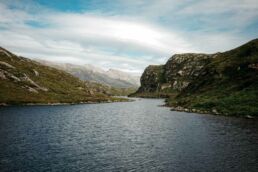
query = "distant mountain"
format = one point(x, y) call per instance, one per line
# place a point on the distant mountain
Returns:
point(24, 81)
point(221, 83)
point(123, 76)
point(114, 78)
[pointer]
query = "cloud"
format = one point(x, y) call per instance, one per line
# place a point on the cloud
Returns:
point(146, 32)
point(233, 14)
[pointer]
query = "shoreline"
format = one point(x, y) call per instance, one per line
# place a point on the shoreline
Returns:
point(67, 103)
point(194, 110)
point(210, 112)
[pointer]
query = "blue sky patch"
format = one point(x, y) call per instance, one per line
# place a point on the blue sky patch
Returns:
point(36, 24)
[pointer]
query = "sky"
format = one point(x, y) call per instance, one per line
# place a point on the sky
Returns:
point(127, 35)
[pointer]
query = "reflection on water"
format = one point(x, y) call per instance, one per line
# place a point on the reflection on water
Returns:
point(128, 136)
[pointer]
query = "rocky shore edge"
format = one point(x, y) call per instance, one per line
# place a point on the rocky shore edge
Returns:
point(212, 111)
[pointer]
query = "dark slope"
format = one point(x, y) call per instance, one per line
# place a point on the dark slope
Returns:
point(222, 83)
point(228, 84)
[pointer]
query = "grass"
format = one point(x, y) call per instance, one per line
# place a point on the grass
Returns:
point(62, 87)
point(228, 84)
point(233, 103)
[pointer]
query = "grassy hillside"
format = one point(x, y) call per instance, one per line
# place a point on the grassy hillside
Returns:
point(96, 77)
point(222, 83)
point(25, 81)
point(229, 85)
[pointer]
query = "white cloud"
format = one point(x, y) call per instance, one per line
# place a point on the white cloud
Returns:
point(123, 42)
point(83, 36)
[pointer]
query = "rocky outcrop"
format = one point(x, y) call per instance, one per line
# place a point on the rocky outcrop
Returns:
point(32, 83)
point(152, 78)
point(6, 65)
point(9, 72)
point(182, 69)
point(36, 72)
point(5, 52)
point(179, 71)
point(221, 83)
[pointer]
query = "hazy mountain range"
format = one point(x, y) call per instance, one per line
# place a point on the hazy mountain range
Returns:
point(87, 72)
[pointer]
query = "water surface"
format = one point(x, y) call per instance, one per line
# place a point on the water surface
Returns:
point(128, 136)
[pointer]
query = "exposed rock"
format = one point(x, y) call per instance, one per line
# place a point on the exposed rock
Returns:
point(2, 75)
point(253, 66)
point(165, 86)
point(36, 72)
point(80, 88)
point(26, 78)
point(182, 69)
point(91, 92)
point(14, 78)
point(221, 83)
point(20, 78)
point(31, 89)
point(5, 52)
point(7, 65)
point(186, 110)
point(214, 111)
point(7, 75)
point(151, 78)
point(179, 85)
point(249, 116)
point(178, 72)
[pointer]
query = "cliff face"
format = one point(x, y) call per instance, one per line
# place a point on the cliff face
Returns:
point(179, 71)
point(151, 78)
point(182, 69)
point(222, 83)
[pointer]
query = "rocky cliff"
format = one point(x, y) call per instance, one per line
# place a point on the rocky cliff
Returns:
point(179, 71)
point(182, 69)
point(221, 83)
point(151, 78)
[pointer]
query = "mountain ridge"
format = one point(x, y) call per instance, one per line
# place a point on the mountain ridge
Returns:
point(87, 72)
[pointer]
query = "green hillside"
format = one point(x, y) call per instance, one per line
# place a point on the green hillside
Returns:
point(222, 83)
point(25, 81)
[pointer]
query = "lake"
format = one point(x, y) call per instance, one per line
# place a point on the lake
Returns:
point(126, 136)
